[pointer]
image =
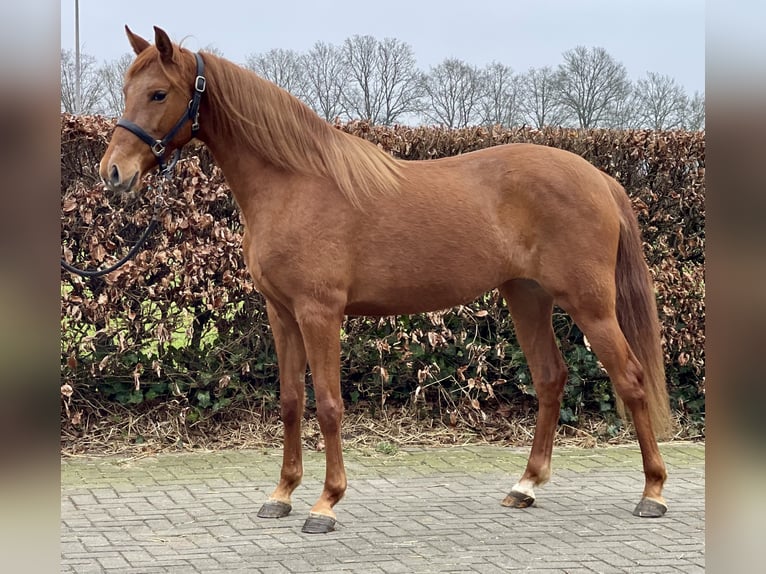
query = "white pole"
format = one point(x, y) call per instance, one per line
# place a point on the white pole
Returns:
point(78, 95)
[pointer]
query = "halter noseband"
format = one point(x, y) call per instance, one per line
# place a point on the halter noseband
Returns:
point(159, 147)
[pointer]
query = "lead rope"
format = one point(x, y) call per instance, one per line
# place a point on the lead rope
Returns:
point(166, 173)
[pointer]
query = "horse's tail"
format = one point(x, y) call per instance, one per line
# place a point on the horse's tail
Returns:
point(637, 313)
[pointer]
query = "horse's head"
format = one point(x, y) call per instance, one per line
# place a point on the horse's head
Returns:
point(162, 95)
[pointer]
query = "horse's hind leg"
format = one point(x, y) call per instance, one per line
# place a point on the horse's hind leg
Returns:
point(598, 321)
point(291, 357)
point(531, 308)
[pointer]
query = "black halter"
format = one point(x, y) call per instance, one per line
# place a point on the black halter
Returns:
point(159, 147)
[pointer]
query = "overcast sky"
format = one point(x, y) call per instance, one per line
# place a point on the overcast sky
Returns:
point(663, 36)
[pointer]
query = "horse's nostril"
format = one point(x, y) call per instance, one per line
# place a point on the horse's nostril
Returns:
point(114, 175)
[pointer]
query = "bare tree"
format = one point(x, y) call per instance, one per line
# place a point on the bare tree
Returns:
point(325, 74)
point(694, 114)
point(499, 98)
point(360, 93)
point(452, 93)
point(212, 49)
point(538, 99)
point(660, 102)
point(91, 89)
point(383, 82)
point(590, 83)
point(112, 77)
point(625, 114)
point(283, 67)
point(400, 80)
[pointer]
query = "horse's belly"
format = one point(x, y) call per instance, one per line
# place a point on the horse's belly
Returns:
point(402, 306)
point(409, 293)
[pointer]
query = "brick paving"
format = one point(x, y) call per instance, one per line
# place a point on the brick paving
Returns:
point(417, 511)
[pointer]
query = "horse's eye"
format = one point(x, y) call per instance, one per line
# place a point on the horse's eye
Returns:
point(158, 96)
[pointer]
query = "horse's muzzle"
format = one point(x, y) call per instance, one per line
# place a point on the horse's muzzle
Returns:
point(115, 181)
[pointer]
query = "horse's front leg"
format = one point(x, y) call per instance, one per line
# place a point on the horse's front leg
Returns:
point(291, 356)
point(320, 325)
point(531, 309)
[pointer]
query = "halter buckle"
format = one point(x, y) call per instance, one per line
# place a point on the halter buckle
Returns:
point(158, 149)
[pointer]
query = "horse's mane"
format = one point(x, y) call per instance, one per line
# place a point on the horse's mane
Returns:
point(254, 113)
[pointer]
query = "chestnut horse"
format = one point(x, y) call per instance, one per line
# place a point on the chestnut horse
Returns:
point(335, 226)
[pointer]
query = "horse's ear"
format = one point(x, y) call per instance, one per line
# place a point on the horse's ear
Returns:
point(137, 42)
point(163, 43)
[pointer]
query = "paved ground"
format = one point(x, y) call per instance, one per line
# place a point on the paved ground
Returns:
point(427, 510)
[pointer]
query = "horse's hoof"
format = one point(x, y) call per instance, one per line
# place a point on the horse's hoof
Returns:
point(318, 524)
point(516, 499)
point(274, 509)
point(649, 508)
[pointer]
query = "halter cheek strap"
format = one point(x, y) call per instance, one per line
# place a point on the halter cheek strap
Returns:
point(159, 146)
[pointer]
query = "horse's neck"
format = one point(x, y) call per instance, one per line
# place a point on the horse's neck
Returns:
point(246, 173)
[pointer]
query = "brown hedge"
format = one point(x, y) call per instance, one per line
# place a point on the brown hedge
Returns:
point(182, 320)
